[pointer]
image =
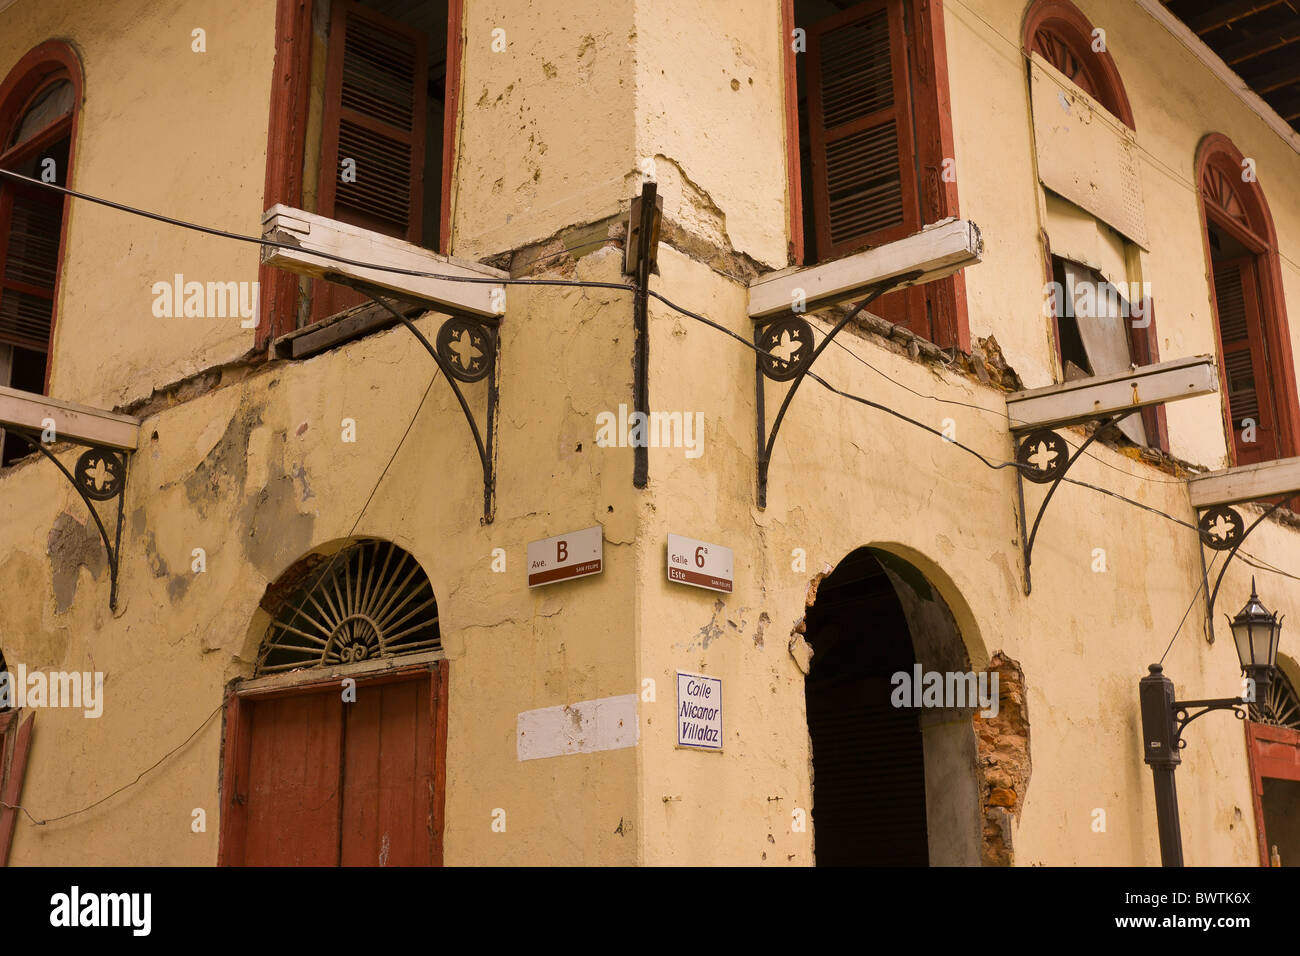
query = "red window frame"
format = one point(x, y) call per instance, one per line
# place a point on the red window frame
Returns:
point(286, 145)
point(237, 743)
point(15, 746)
point(42, 65)
point(1238, 208)
point(1273, 752)
point(938, 306)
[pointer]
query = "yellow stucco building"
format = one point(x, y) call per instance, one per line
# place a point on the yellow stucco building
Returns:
point(304, 592)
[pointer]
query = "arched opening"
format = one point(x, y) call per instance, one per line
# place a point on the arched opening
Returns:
point(1256, 368)
point(39, 102)
point(895, 761)
point(334, 749)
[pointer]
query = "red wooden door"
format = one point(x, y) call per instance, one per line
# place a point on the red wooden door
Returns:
point(388, 777)
point(293, 781)
point(312, 780)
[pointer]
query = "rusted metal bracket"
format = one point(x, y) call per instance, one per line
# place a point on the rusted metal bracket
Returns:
point(468, 350)
point(641, 250)
point(99, 475)
point(1221, 528)
point(785, 352)
point(1042, 458)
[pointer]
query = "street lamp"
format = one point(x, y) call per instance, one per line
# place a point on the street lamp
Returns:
point(1256, 631)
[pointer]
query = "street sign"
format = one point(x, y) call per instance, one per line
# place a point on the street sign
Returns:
point(700, 564)
point(699, 711)
point(573, 555)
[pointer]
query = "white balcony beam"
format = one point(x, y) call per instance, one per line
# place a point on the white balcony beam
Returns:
point(309, 235)
point(1099, 396)
point(1268, 479)
point(78, 423)
point(937, 251)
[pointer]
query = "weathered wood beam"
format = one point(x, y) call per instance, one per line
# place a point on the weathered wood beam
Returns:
point(1268, 479)
point(937, 250)
point(72, 422)
point(1225, 13)
point(1099, 396)
point(307, 235)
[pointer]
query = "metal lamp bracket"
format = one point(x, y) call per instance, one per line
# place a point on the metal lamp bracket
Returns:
point(98, 476)
point(785, 354)
point(1042, 458)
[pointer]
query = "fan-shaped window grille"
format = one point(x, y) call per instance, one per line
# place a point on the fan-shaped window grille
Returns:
point(370, 600)
point(1281, 705)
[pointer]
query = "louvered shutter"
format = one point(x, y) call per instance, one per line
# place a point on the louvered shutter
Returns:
point(860, 127)
point(1247, 386)
point(376, 91)
point(868, 801)
point(376, 88)
point(30, 224)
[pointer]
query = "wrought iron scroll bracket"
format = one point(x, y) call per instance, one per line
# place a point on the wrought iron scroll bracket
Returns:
point(1183, 714)
point(99, 475)
point(785, 352)
point(1221, 528)
point(468, 350)
point(1041, 459)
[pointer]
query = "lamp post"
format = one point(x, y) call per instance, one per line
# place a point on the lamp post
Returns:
point(1256, 631)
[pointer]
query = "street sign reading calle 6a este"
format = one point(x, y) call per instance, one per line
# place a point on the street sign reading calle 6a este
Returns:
point(573, 555)
point(700, 564)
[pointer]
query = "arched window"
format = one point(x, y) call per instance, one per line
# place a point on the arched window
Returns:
point(370, 600)
point(38, 115)
point(1255, 362)
point(1059, 32)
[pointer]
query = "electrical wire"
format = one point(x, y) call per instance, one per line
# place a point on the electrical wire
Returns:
point(274, 244)
point(991, 462)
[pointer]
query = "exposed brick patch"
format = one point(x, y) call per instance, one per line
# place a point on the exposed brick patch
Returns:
point(1004, 765)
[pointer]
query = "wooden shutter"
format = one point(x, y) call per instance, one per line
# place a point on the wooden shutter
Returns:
point(868, 802)
point(860, 127)
point(1243, 359)
point(376, 92)
point(1145, 346)
point(30, 225)
point(376, 87)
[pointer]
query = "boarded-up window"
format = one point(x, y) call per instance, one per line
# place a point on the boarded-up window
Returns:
point(860, 130)
point(1243, 353)
point(1084, 153)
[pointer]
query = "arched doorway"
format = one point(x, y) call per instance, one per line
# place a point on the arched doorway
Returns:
point(892, 785)
point(334, 749)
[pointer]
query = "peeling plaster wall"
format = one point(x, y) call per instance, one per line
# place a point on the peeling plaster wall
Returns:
point(710, 85)
point(1176, 101)
point(257, 475)
point(254, 471)
point(171, 131)
point(546, 133)
point(844, 476)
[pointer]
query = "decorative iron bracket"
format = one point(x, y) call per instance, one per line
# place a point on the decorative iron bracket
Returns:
point(1183, 716)
point(99, 475)
point(468, 350)
point(1221, 528)
point(786, 352)
point(1041, 458)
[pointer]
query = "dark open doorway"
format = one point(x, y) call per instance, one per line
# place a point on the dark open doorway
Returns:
point(892, 785)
